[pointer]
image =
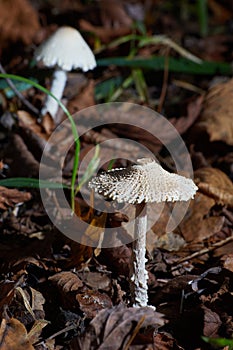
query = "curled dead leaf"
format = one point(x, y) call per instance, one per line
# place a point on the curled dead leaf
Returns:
point(10, 197)
point(67, 281)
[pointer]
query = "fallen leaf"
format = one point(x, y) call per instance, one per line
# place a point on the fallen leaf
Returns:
point(212, 322)
point(216, 116)
point(113, 328)
point(10, 197)
point(91, 302)
point(198, 224)
point(67, 281)
point(26, 120)
point(13, 336)
point(96, 280)
point(216, 184)
point(84, 99)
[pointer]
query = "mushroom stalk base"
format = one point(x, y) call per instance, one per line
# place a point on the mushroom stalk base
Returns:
point(57, 88)
point(138, 273)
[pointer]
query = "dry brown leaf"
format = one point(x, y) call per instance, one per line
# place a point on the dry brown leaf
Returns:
point(96, 280)
point(13, 336)
point(84, 99)
point(113, 328)
point(17, 23)
point(216, 116)
point(216, 184)
point(212, 322)
point(10, 197)
point(27, 121)
point(198, 225)
point(67, 281)
point(91, 302)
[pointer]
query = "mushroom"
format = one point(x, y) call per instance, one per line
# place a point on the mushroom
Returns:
point(139, 184)
point(66, 50)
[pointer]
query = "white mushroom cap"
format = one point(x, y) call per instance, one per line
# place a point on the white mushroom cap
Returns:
point(147, 181)
point(66, 49)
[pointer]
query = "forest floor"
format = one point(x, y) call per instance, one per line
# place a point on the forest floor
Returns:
point(66, 286)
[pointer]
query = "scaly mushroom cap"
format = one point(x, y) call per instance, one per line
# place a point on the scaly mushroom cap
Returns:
point(66, 49)
point(147, 181)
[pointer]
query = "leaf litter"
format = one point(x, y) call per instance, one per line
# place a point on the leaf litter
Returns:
point(58, 294)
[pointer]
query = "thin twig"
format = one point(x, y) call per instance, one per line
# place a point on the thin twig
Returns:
point(18, 94)
point(202, 252)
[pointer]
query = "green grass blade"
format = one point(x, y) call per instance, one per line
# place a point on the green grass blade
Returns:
point(180, 65)
point(30, 183)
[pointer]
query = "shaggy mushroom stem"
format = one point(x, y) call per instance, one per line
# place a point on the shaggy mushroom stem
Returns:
point(57, 88)
point(138, 273)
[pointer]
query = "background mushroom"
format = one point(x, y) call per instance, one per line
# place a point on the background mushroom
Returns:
point(139, 184)
point(66, 50)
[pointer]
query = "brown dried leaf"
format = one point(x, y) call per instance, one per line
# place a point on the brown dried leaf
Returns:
point(212, 322)
point(91, 302)
point(216, 117)
point(17, 23)
point(113, 328)
point(10, 197)
point(84, 99)
point(67, 281)
point(198, 225)
point(96, 280)
point(13, 336)
point(216, 184)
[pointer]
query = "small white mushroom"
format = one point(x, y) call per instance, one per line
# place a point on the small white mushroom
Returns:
point(66, 50)
point(139, 184)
